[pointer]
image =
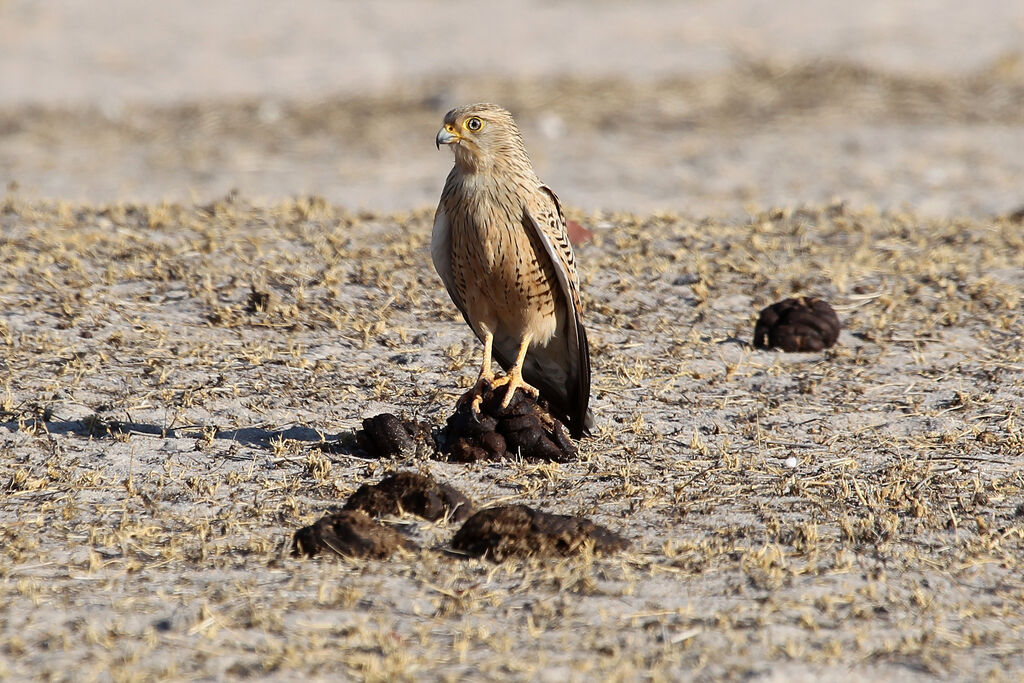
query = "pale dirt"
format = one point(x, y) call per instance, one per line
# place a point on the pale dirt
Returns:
point(127, 101)
point(849, 515)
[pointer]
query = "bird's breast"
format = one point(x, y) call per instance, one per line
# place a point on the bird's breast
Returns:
point(502, 278)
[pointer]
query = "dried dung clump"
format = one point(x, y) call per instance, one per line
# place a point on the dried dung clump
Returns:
point(524, 428)
point(413, 493)
point(350, 533)
point(1016, 216)
point(517, 530)
point(802, 324)
point(387, 436)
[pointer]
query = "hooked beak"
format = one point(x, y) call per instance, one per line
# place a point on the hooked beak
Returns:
point(447, 136)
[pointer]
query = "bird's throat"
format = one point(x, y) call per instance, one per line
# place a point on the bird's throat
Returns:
point(468, 159)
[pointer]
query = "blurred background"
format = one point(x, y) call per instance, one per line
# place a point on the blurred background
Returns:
point(696, 106)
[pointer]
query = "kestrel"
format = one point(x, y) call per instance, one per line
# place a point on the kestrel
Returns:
point(500, 245)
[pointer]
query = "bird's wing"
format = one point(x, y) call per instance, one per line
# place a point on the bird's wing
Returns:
point(441, 255)
point(560, 370)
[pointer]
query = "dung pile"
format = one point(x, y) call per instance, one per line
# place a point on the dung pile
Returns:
point(524, 429)
point(802, 324)
point(496, 533)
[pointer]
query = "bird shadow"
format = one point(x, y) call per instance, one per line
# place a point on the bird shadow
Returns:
point(742, 343)
point(95, 427)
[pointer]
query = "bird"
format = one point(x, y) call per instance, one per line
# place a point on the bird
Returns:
point(500, 245)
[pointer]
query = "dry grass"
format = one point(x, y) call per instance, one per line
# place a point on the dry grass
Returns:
point(860, 510)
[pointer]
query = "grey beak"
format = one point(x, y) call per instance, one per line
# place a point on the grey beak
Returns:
point(445, 138)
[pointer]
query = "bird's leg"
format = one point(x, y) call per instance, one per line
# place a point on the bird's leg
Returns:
point(514, 378)
point(486, 378)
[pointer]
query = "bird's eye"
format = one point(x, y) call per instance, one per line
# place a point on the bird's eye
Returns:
point(474, 123)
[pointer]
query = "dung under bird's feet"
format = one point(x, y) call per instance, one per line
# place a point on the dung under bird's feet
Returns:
point(511, 382)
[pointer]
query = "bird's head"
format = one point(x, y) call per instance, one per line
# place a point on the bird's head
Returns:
point(481, 135)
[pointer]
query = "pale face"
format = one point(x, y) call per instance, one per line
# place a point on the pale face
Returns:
point(479, 134)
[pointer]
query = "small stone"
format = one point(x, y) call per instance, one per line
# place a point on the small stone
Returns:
point(578, 234)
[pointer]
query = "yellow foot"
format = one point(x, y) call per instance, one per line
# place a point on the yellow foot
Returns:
point(511, 382)
point(478, 399)
point(483, 383)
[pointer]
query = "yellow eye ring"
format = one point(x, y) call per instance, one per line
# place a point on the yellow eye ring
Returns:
point(474, 123)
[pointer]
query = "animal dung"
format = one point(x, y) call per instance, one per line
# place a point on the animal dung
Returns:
point(349, 533)
point(387, 436)
point(496, 533)
point(800, 324)
point(524, 429)
point(414, 493)
point(507, 531)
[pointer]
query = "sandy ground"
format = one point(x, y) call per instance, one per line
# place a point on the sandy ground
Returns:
point(160, 447)
point(703, 108)
point(856, 514)
point(81, 52)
